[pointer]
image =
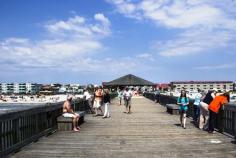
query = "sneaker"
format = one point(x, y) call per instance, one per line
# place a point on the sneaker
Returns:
point(211, 132)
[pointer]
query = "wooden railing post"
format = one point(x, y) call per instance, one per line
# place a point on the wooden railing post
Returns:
point(226, 118)
point(233, 123)
point(220, 120)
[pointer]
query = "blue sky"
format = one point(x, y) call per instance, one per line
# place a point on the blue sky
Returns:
point(87, 41)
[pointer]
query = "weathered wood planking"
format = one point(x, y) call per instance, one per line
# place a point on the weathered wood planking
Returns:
point(148, 132)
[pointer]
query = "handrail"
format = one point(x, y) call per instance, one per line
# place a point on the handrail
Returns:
point(23, 126)
point(20, 127)
point(226, 118)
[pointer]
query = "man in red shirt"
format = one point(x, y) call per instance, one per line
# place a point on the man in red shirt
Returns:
point(214, 107)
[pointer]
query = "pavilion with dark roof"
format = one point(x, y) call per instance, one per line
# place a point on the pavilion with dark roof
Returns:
point(128, 80)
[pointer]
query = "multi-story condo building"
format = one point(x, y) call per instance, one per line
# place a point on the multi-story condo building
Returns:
point(202, 85)
point(19, 88)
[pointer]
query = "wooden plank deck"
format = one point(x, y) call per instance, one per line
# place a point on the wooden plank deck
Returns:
point(148, 132)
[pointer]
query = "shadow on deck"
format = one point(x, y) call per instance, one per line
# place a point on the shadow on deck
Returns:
point(148, 132)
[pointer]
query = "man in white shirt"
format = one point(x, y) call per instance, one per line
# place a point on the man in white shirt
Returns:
point(88, 100)
point(127, 100)
point(87, 96)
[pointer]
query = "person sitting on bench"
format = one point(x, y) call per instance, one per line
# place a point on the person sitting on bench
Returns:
point(69, 112)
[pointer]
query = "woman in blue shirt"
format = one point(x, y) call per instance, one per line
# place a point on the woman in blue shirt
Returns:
point(196, 107)
point(183, 101)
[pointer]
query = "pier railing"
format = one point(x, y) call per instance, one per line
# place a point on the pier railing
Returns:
point(21, 127)
point(226, 118)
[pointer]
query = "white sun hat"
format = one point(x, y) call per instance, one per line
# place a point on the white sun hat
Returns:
point(215, 89)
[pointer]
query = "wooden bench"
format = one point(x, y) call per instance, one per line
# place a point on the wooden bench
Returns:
point(66, 124)
point(172, 109)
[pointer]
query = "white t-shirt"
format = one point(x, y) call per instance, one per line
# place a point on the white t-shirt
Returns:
point(127, 94)
point(87, 95)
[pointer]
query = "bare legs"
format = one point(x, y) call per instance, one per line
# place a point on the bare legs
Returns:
point(75, 123)
point(128, 106)
point(183, 119)
point(97, 106)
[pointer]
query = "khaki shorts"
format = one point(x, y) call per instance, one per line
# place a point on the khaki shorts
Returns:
point(97, 104)
point(127, 103)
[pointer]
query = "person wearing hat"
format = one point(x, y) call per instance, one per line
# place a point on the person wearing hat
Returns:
point(69, 112)
point(204, 112)
point(214, 107)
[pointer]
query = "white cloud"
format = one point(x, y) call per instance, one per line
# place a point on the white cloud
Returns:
point(70, 45)
point(103, 19)
point(203, 24)
point(69, 39)
point(145, 56)
point(78, 27)
point(192, 42)
point(216, 67)
point(176, 14)
point(123, 65)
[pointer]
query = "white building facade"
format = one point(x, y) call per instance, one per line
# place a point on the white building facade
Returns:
point(203, 85)
point(19, 88)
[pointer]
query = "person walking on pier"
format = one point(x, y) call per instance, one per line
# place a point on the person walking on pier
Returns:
point(204, 112)
point(88, 101)
point(127, 100)
point(196, 108)
point(107, 101)
point(183, 101)
point(120, 96)
point(98, 101)
point(214, 107)
point(69, 112)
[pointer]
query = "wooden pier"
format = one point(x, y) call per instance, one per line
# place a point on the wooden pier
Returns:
point(148, 132)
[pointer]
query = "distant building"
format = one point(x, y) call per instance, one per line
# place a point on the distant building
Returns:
point(203, 85)
point(163, 86)
point(19, 88)
point(71, 88)
point(50, 88)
